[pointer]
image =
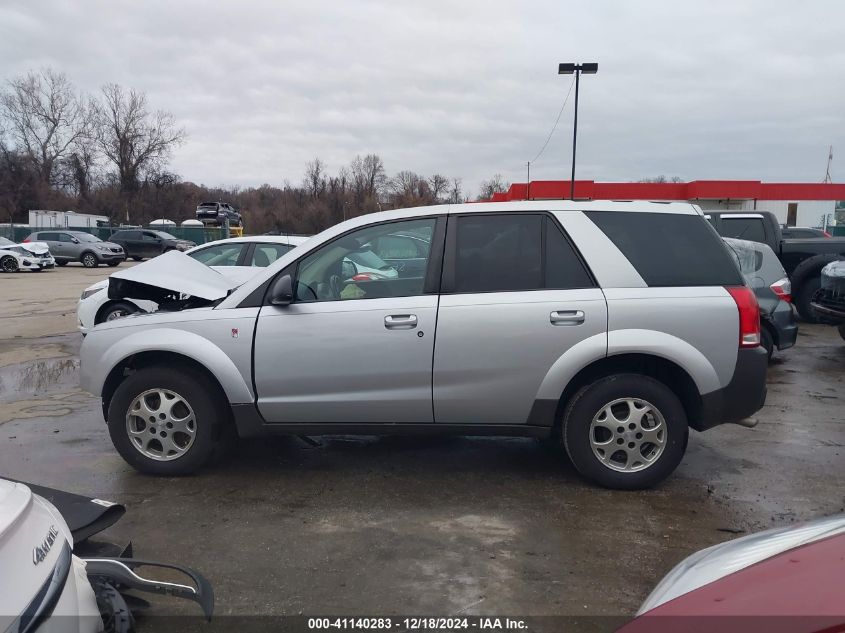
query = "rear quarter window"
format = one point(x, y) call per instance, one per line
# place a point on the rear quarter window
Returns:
point(669, 249)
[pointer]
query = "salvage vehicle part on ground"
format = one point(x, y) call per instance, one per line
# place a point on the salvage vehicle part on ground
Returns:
point(613, 327)
point(787, 578)
point(44, 586)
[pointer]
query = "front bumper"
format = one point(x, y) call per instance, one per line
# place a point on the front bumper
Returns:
point(743, 396)
point(109, 256)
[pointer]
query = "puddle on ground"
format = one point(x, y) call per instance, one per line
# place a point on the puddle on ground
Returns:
point(24, 379)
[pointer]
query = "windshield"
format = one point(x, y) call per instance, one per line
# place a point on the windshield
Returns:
point(86, 237)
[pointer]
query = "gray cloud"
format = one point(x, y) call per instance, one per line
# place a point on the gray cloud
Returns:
point(730, 89)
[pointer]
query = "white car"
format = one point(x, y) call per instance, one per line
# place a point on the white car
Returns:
point(237, 258)
point(34, 256)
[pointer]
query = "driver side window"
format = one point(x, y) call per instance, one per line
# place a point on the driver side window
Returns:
point(360, 265)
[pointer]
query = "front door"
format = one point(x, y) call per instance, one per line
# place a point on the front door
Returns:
point(516, 296)
point(353, 347)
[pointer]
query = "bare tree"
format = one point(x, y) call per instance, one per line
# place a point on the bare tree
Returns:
point(439, 185)
point(131, 137)
point(368, 179)
point(45, 117)
point(494, 185)
point(455, 194)
point(315, 178)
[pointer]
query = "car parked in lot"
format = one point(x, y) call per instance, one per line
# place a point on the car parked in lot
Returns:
point(33, 256)
point(611, 326)
point(78, 246)
point(784, 579)
point(140, 244)
point(803, 259)
point(829, 302)
point(237, 258)
point(764, 273)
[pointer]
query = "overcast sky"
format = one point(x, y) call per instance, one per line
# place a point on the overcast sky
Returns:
point(734, 89)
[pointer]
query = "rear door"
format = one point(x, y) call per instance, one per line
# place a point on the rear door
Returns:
point(150, 244)
point(53, 243)
point(515, 296)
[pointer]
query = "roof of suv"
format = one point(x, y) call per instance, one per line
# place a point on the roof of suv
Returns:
point(684, 208)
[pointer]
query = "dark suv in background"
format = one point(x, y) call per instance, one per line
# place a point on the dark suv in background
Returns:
point(142, 243)
point(217, 212)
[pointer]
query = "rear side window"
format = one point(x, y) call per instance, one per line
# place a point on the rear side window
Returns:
point(669, 249)
point(502, 253)
point(744, 228)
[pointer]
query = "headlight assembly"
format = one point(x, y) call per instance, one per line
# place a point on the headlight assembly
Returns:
point(87, 293)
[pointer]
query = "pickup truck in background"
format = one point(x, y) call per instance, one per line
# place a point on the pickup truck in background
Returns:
point(803, 259)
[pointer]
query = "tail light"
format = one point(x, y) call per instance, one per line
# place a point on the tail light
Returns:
point(749, 315)
point(826, 234)
point(26, 241)
point(783, 289)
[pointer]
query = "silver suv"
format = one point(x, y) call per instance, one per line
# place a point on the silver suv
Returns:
point(611, 326)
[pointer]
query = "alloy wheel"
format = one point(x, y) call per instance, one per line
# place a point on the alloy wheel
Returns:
point(89, 261)
point(628, 434)
point(10, 265)
point(161, 424)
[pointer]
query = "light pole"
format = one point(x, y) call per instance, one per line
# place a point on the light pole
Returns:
point(568, 69)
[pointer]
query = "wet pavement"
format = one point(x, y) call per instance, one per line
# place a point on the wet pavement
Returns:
point(414, 525)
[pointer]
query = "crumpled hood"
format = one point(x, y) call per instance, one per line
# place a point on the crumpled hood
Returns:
point(175, 272)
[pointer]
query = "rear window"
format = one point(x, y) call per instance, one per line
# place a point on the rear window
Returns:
point(669, 249)
point(744, 228)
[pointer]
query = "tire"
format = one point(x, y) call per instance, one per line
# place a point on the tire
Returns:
point(112, 264)
point(9, 264)
point(61, 264)
point(804, 296)
point(767, 341)
point(89, 260)
point(841, 330)
point(115, 311)
point(635, 472)
point(138, 259)
point(211, 422)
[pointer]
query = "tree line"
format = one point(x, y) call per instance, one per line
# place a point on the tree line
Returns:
point(109, 154)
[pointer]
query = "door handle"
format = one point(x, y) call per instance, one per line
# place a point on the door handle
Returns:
point(567, 317)
point(400, 321)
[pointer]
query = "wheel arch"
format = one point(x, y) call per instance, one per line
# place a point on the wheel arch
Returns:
point(810, 267)
point(144, 359)
point(88, 251)
point(666, 371)
point(98, 317)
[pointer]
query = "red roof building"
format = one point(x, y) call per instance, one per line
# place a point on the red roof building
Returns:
point(796, 204)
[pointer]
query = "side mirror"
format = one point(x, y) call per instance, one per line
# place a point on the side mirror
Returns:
point(281, 293)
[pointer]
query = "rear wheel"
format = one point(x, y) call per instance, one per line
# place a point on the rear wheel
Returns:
point(89, 260)
point(625, 431)
point(166, 421)
point(61, 263)
point(841, 330)
point(113, 263)
point(9, 264)
point(808, 288)
point(138, 259)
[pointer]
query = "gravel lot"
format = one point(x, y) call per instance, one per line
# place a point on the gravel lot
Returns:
point(408, 525)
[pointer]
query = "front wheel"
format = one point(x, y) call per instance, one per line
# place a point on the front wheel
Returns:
point(61, 264)
point(804, 297)
point(138, 259)
point(114, 263)
point(89, 260)
point(625, 431)
point(167, 421)
point(9, 264)
point(117, 310)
